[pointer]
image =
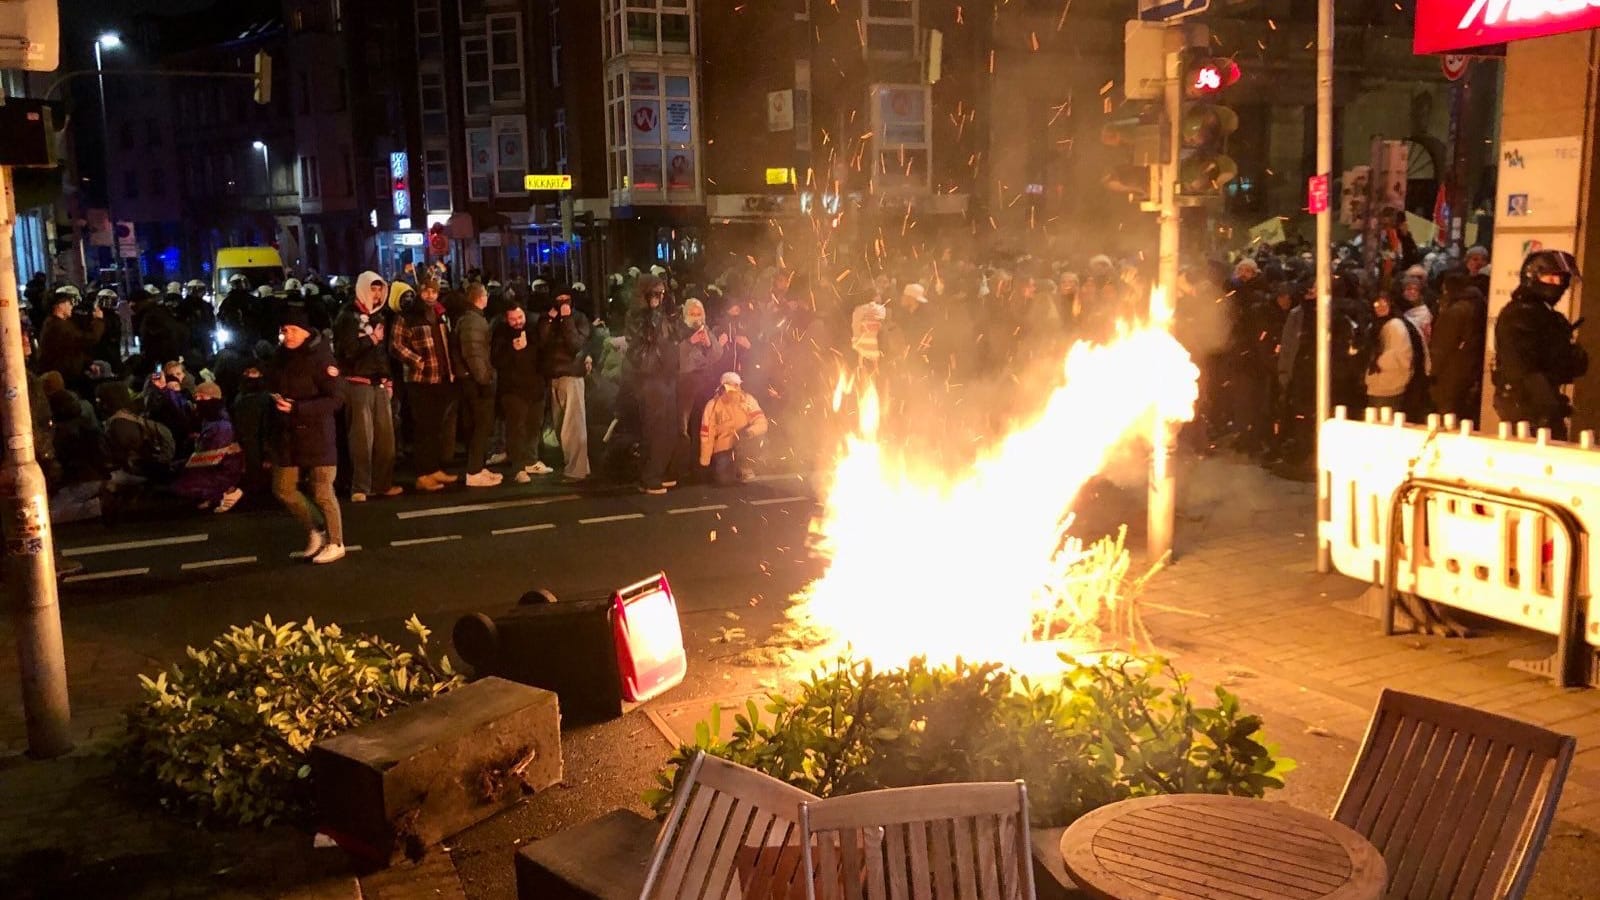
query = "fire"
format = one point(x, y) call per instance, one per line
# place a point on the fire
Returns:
point(970, 565)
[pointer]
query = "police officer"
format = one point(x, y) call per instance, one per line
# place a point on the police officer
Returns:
point(1535, 353)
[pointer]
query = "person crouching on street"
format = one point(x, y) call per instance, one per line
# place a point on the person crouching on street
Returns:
point(305, 393)
point(731, 432)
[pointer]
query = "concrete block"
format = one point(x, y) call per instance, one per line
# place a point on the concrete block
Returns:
point(408, 781)
point(605, 859)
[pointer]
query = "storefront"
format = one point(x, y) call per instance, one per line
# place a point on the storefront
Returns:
point(1546, 195)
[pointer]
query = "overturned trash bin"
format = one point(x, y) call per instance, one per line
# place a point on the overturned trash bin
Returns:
point(593, 653)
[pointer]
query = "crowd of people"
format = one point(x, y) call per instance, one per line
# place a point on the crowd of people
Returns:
point(314, 389)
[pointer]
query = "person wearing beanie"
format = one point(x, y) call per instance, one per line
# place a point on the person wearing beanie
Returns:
point(304, 383)
point(652, 371)
point(421, 341)
point(210, 477)
point(361, 349)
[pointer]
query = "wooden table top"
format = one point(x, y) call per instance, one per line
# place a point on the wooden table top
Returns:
point(1210, 847)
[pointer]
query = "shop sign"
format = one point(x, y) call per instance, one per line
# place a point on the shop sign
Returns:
point(1445, 25)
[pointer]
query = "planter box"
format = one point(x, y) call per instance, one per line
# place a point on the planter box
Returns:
point(408, 781)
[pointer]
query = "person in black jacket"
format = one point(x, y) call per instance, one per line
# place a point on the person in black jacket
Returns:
point(361, 348)
point(305, 392)
point(1457, 347)
point(514, 352)
point(564, 360)
point(652, 367)
point(1535, 353)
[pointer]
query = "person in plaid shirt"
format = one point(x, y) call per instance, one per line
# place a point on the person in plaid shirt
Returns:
point(421, 341)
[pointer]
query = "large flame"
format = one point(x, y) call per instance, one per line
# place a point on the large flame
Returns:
point(930, 565)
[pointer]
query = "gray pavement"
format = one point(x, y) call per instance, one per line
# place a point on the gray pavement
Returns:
point(1242, 607)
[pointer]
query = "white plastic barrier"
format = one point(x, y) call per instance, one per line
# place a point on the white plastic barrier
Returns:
point(1501, 529)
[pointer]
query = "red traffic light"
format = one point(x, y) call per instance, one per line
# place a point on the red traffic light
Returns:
point(1211, 77)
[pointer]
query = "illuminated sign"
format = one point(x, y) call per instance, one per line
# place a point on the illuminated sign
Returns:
point(547, 182)
point(1445, 25)
point(400, 182)
point(780, 176)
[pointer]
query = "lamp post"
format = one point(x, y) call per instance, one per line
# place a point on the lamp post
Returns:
point(266, 168)
point(109, 40)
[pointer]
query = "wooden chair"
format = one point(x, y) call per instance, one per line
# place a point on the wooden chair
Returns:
point(937, 842)
point(1458, 800)
point(732, 833)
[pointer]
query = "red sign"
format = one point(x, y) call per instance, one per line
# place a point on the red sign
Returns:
point(1454, 65)
point(1317, 193)
point(1444, 25)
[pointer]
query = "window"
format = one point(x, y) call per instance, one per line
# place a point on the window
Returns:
point(901, 146)
point(303, 79)
point(505, 58)
point(158, 182)
point(436, 179)
point(555, 43)
point(130, 184)
point(430, 39)
point(650, 127)
point(125, 135)
point(891, 28)
point(561, 139)
point(475, 75)
point(152, 132)
point(342, 98)
point(434, 121)
point(511, 155)
point(310, 178)
point(480, 163)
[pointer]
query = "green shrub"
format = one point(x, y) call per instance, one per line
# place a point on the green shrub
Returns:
point(225, 734)
point(1104, 733)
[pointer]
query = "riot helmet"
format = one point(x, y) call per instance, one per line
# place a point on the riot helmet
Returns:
point(1546, 274)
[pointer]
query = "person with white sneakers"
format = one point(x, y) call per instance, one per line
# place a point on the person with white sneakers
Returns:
point(304, 382)
point(514, 350)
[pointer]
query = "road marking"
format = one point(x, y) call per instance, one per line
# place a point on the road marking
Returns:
point(136, 545)
point(212, 563)
point(301, 554)
point(102, 576)
point(523, 529)
point(694, 509)
point(600, 519)
point(774, 500)
point(480, 507)
point(412, 542)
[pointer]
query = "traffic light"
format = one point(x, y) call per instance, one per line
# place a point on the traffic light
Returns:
point(1204, 168)
point(1134, 137)
point(263, 78)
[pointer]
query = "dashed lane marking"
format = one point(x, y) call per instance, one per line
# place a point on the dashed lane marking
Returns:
point(480, 507)
point(524, 529)
point(599, 519)
point(771, 501)
point(213, 563)
point(694, 509)
point(412, 542)
point(136, 545)
point(348, 548)
point(103, 576)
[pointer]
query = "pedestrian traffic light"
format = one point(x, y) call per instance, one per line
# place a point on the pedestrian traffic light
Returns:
point(1134, 137)
point(263, 78)
point(1205, 125)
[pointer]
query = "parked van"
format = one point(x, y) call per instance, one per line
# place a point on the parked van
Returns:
point(261, 265)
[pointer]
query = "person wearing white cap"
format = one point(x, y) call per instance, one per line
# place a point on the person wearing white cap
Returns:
point(731, 430)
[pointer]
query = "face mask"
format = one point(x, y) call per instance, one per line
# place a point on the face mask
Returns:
point(695, 322)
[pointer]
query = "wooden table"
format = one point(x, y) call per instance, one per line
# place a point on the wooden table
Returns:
point(1208, 847)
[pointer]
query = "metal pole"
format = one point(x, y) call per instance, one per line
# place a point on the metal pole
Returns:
point(1162, 501)
point(105, 159)
point(1324, 261)
point(30, 564)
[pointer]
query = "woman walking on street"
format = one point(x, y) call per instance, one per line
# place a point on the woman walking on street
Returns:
point(305, 392)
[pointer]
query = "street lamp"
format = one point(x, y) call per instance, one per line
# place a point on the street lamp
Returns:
point(108, 40)
point(266, 167)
